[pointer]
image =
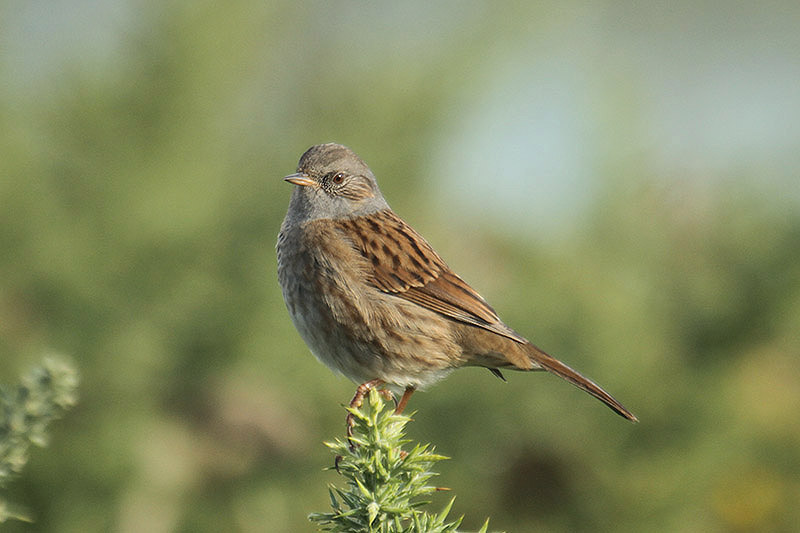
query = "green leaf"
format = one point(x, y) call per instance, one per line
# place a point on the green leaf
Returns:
point(10, 511)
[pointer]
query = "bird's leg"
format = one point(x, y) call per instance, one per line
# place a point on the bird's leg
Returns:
point(402, 405)
point(363, 390)
point(357, 402)
point(404, 400)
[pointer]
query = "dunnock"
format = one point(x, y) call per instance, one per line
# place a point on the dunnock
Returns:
point(374, 301)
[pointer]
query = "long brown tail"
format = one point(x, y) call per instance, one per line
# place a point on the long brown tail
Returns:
point(551, 364)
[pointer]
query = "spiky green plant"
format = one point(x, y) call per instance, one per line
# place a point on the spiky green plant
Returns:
point(44, 394)
point(386, 486)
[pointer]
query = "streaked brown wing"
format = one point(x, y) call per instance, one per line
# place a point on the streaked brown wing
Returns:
point(403, 263)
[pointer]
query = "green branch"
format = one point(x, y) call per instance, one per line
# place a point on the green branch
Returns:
point(386, 486)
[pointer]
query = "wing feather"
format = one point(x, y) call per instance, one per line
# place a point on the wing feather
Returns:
point(404, 264)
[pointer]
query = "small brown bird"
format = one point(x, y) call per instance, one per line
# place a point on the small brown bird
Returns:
point(374, 301)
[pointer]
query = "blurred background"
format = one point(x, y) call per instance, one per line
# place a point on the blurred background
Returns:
point(619, 179)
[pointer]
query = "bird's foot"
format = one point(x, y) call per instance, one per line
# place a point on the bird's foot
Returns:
point(358, 401)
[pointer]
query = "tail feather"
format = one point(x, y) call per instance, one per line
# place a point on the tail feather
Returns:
point(553, 365)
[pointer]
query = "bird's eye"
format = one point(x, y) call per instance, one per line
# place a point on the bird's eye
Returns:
point(338, 178)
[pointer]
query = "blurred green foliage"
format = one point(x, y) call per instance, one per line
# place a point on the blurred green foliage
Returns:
point(141, 197)
point(45, 393)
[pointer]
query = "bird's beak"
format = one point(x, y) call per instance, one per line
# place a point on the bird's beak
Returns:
point(300, 179)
